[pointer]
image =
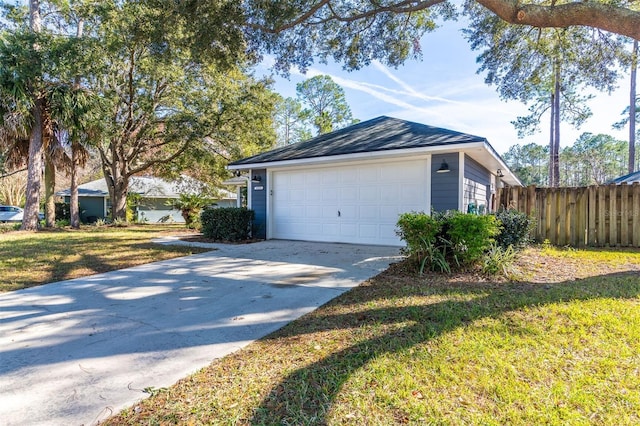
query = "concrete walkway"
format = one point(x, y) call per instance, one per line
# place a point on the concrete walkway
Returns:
point(78, 351)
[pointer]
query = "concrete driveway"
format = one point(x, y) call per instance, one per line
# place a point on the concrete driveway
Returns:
point(78, 351)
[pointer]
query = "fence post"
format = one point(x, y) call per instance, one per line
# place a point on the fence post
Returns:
point(636, 214)
point(602, 216)
point(613, 216)
point(592, 206)
point(624, 214)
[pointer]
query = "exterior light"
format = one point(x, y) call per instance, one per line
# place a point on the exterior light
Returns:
point(444, 167)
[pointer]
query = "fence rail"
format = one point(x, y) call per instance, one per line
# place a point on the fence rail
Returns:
point(593, 216)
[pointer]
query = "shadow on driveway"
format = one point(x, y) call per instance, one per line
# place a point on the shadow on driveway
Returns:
point(76, 351)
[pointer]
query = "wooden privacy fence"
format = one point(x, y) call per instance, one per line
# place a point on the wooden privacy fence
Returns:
point(594, 216)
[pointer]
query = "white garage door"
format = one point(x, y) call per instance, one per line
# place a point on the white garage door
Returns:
point(351, 204)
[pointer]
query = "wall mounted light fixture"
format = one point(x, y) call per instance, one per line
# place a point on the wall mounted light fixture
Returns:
point(257, 178)
point(499, 173)
point(444, 167)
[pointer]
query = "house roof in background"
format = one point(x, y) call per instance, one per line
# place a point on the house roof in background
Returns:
point(146, 186)
point(378, 134)
point(630, 178)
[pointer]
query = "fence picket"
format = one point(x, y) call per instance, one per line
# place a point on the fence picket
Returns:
point(594, 216)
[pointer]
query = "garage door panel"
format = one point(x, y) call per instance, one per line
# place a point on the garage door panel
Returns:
point(368, 212)
point(349, 193)
point(349, 230)
point(369, 198)
point(331, 229)
point(369, 194)
point(347, 176)
point(369, 231)
point(313, 212)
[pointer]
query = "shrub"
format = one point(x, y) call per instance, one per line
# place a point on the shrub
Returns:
point(499, 261)
point(227, 223)
point(471, 235)
point(515, 228)
point(417, 229)
point(421, 233)
point(63, 211)
point(190, 206)
point(447, 239)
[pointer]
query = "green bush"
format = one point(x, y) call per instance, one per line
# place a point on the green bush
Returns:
point(190, 206)
point(417, 229)
point(499, 261)
point(471, 235)
point(448, 239)
point(421, 232)
point(515, 228)
point(227, 223)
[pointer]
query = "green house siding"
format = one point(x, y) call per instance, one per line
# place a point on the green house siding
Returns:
point(155, 210)
point(91, 208)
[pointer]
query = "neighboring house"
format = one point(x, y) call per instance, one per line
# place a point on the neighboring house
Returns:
point(350, 185)
point(629, 179)
point(155, 196)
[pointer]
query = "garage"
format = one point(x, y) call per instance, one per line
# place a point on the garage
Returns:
point(357, 203)
point(350, 185)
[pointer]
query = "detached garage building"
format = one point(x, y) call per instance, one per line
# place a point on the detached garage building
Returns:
point(350, 185)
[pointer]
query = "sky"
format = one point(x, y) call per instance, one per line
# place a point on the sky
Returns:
point(444, 90)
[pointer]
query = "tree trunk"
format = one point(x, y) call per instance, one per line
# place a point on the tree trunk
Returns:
point(30, 220)
point(556, 128)
point(632, 108)
point(74, 207)
point(119, 199)
point(551, 137)
point(35, 21)
point(118, 184)
point(49, 192)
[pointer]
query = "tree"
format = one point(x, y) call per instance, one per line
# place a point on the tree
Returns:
point(594, 160)
point(632, 112)
point(327, 107)
point(529, 162)
point(546, 69)
point(591, 160)
point(12, 188)
point(37, 60)
point(291, 122)
point(163, 101)
point(354, 34)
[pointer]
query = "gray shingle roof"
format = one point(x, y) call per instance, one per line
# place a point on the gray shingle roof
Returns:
point(630, 178)
point(378, 134)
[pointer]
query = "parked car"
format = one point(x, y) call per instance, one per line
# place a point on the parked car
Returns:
point(11, 214)
point(14, 214)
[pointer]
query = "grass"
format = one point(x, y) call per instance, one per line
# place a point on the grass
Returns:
point(29, 259)
point(561, 347)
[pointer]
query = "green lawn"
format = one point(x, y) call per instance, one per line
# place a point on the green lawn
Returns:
point(561, 347)
point(28, 259)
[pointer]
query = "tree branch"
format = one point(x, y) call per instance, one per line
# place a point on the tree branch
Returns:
point(13, 173)
point(615, 19)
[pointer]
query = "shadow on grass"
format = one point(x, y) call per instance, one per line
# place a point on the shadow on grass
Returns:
point(307, 394)
point(78, 255)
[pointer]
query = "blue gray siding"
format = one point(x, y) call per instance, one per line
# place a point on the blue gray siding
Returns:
point(477, 186)
point(474, 171)
point(91, 208)
point(259, 202)
point(445, 186)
